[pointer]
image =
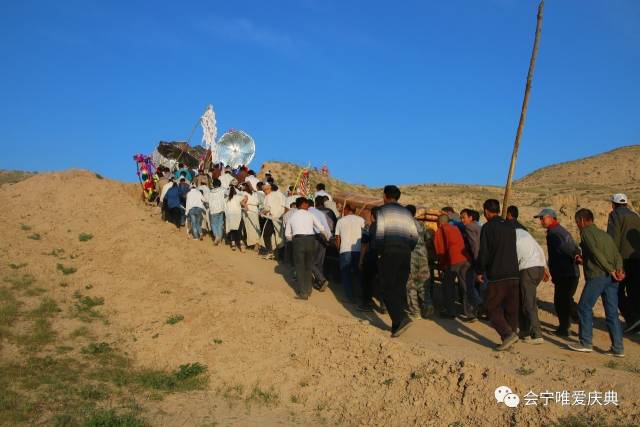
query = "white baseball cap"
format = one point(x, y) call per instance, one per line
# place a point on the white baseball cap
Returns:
point(619, 198)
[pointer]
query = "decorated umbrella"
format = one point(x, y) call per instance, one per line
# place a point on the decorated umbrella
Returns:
point(235, 148)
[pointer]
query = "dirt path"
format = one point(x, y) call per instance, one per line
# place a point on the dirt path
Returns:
point(274, 360)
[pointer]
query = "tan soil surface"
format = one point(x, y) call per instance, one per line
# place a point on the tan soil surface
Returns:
point(326, 363)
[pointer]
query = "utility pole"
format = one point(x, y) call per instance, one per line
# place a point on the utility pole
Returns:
point(523, 112)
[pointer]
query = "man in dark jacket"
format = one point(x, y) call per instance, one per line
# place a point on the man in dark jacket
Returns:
point(498, 261)
point(395, 238)
point(624, 228)
point(562, 250)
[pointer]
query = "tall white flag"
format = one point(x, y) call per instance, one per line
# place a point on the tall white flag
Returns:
point(209, 129)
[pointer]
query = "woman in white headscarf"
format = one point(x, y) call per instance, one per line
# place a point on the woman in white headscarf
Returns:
point(233, 217)
point(251, 216)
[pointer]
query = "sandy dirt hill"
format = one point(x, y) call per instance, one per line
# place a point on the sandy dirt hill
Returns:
point(318, 362)
point(615, 168)
point(565, 187)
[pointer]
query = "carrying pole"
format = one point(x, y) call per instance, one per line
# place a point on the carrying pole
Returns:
point(523, 112)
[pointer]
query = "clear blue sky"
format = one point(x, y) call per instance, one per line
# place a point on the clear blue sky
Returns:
point(384, 92)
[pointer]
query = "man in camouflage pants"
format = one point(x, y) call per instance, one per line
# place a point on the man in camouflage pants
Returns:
point(418, 296)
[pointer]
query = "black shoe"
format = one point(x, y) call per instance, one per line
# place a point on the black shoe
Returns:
point(446, 315)
point(367, 308)
point(632, 326)
point(302, 297)
point(560, 333)
point(402, 328)
point(468, 319)
point(427, 312)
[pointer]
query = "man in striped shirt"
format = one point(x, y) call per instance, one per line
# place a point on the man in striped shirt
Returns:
point(395, 238)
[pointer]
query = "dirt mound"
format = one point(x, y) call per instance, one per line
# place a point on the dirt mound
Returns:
point(615, 168)
point(313, 362)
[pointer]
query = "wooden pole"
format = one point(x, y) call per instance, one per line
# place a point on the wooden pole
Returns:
point(523, 112)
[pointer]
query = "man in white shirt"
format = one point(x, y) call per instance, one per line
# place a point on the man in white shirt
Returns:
point(163, 193)
point(226, 178)
point(348, 241)
point(321, 191)
point(272, 211)
point(301, 230)
point(321, 248)
point(216, 201)
point(195, 209)
point(288, 246)
point(532, 265)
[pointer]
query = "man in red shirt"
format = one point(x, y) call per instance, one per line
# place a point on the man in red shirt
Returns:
point(454, 261)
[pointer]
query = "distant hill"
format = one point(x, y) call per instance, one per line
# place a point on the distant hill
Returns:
point(616, 168)
point(12, 177)
point(587, 182)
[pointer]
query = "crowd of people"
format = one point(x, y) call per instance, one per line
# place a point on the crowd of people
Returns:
point(467, 269)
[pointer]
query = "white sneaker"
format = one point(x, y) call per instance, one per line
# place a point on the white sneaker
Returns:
point(579, 347)
point(534, 341)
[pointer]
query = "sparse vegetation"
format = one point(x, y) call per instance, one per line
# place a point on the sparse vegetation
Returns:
point(416, 376)
point(96, 348)
point(66, 270)
point(84, 307)
point(174, 318)
point(99, 176)
point(56, 252)
point(85, 237)
point(231, 392)
point(186, 377)
point(21, 282)
point(17, 266)
point(523, 370)
point(25, 227)
point(55, 389)
point(580, 421)
point(264, 397)
point(612, 364)
point(34, 236)
point(217, 341)
point(47, 308)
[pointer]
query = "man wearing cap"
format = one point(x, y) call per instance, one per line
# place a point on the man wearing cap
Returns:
point(562, 250)
point(624, 228)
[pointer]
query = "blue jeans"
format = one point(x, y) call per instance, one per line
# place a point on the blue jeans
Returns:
point(217, 222)
point(348, 265)
point(195, 218)
point(606, 288)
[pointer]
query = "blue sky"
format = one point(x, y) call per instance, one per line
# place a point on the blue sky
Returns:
point(383, 92)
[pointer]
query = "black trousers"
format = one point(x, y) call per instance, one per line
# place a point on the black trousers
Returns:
point(629, 291)
point(318, 261)
point(175, 216)
point(267, 233)
point(304, 249)
point(394, 273)
point(530, 278)
point(235, 236)
point(565, 289)
point(503, 301)
point(369, 277)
